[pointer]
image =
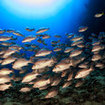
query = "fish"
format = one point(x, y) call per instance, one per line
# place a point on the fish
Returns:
point(55, 80)
point(93, 35)
point(74, 43)
point(55, 42)
point(22, 71)
point(57, 36)
point(79, 83)
point(100, 65)
point(29, 30)
point(65, 64)
point(25, 89)
point(5, 71)
point(9, 52)
point(83, 73)
point(98, 15)
point(43, 88)
point(81, 45)
point(2, 52)
point(29, 77)
point(8, 60)
point(70, 35)
point(83, 65)
point(5, 38)
point(96, 57)
point(2, 31)
point(77, 38)
point(42, 30)
point(34, 46)
point(56, 49)
point(43, 52)
point(10, 31)
point(75, 53)
point(70, 76)
point(4, 87)
point(76, 60)
point(61, 66)
point(41, 83)
point(39, 35)
point(19, 63)
point(68, 49)
point(96, 43)
point(7, 43)
point(15, 47)
point(45, 36)
point(64, 73)
point(4, 79)
point(43, 62)
point(97, 48)
point(82, 28)
point(28, 39)
point(66, 84)
point(18, 34)
point(52, 93)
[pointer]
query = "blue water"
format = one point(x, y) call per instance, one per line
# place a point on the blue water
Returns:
point(69, 17)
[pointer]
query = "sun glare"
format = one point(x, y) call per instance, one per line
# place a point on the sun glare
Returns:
point(36, 2)
point(34, 8)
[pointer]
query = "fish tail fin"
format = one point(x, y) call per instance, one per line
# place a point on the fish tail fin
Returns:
point(91, 67)
point(31, 60)
point(54, 58)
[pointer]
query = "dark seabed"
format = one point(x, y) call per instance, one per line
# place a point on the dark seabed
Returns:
point(52, 52)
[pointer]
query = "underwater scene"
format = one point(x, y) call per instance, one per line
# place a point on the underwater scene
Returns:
point(52, 52)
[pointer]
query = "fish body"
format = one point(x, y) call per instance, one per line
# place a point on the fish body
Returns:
point(29, 30)
point(77, 38)
point(41, 83)
point(45, 36)
point(82, 28)
point(42, 52)
point(68, 49)
point(4, 79)
point(75, 53)
point(97, 48)
point(19, 63)
point(83, 73)
point(18, 34)
point(98, 15)
point(8, 60)
point(61, 67)
point(51, 93)
point(9, 52)
point(42, 63)
point(66, 84)
point(5, 38)
point(2, 31)
point(4, 87)
point(42, 30)
point(5, 71)
point(28, 39)
point(25, 89)
point(57, 36)
point(29, 77)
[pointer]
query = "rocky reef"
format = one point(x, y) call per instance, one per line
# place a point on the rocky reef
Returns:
point(91, 92)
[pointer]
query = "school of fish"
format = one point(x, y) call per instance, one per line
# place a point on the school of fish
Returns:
point(49, 68)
